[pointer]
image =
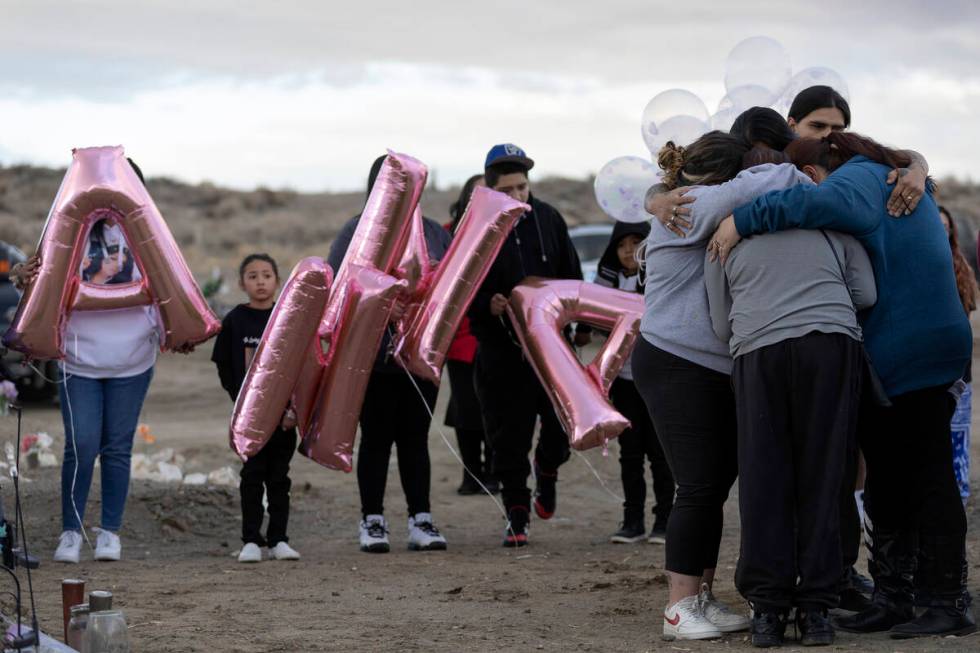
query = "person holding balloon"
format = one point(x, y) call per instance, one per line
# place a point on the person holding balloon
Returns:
point(397, 410)
point(510, 393)
point(108, 365)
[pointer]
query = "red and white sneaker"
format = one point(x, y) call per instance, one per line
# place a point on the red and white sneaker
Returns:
point(517, 527)
point(685, 620)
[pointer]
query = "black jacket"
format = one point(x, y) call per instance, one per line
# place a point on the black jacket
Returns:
point(609, 267)
point(241, 331)
point(538, 246)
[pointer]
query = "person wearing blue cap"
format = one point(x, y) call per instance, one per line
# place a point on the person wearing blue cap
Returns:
point(510, 394)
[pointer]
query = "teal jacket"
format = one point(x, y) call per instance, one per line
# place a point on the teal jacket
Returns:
point(917, 333)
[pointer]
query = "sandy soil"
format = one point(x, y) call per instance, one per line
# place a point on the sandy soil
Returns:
point(182, 590)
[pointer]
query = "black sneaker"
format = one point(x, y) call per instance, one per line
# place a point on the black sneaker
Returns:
point(814, 626)
point(469, 486)
point(630, 532)
point(658, 534)
point(768, 629)
point(517, 527)
point(860, 582)
point(545, 492)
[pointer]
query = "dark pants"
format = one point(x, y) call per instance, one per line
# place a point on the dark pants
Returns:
point(911, 485)
point(465, 415)
point(798, 403)
point(267, 471)
point(512, 400)
point(394, 413)
point(693, 410)
point(636, 445)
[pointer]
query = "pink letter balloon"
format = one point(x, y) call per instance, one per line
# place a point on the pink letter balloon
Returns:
point(539, 309)
point(432, 322)
point(100, 184)
point(286, 343)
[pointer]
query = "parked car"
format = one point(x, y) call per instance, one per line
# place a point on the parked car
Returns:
point(37, 381)
point(590, 242)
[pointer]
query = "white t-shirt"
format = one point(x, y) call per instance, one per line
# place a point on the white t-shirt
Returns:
point(117, 343)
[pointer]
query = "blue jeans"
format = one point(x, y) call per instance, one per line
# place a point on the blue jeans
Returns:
point(102, 414)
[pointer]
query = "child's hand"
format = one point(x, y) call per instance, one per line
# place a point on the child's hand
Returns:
point(398, 310)
point(288, 420)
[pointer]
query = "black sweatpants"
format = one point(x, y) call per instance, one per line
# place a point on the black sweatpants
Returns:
point(512, 400)
point(394, 413)
point(798, 403)
point(465, 415)
point(693, 411)
point(911, 484)
point(638, 444)
point(267, 472)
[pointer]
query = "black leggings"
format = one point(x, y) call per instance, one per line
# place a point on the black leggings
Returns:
point(267, 472)
point(394, 413)
point(693, 410)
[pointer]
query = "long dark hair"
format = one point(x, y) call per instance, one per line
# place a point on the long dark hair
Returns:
point(762, 125)
point(457, 208)
point(819, 97)
point(833, 151)
point(714, 158)
point(966, 282)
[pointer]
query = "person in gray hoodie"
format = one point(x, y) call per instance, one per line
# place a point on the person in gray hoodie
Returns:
point(683, 373)
point(785, 303)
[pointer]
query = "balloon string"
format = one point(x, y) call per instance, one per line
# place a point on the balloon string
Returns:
point(599, 478)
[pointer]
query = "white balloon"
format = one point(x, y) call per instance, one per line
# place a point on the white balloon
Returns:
point(666, 105)
point(758, 61)
point(745, 97)
point(723, 119)
point(682, 130)
point(815, 76)
point(621, 187)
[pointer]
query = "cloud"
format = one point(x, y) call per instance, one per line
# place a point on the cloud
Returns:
point(306, 94)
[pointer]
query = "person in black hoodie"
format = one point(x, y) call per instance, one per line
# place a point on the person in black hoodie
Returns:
point(394, 413)
point(510, 394)
point(267, 471)
point(619, 268)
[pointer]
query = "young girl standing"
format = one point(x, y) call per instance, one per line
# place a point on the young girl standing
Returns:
point(268, 470)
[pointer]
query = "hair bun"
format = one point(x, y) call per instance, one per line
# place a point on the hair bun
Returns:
point(670, 158)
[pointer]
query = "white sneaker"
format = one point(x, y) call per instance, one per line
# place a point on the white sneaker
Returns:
point(685, 620)
point(724, 618)
point(250, 553)
point(374, 534)
point(69, 547)
point(283, 551)
point(423, 535)
point(108, 548)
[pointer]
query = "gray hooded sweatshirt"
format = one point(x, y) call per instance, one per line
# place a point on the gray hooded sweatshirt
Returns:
point(676, 318)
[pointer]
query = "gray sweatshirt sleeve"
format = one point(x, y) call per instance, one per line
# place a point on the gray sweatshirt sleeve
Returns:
point(860, 274)
point(719, 298)
point(713, 204)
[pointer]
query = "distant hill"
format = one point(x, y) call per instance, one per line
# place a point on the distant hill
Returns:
point(216, 227)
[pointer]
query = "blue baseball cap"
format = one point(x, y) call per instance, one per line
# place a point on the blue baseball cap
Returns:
point(507, 153)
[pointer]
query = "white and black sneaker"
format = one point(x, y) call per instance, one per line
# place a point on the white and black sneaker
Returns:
point(374, 534)
point(423, 535)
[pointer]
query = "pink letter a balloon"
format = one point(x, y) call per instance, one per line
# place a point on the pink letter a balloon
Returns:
point(100, 184)
point(539, 309)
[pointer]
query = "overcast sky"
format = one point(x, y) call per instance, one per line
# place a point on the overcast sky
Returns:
point(305, 94)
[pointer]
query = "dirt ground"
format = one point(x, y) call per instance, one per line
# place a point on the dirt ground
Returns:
point(182, 589)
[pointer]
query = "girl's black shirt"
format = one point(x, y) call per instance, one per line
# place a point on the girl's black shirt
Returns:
point(241, 331)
